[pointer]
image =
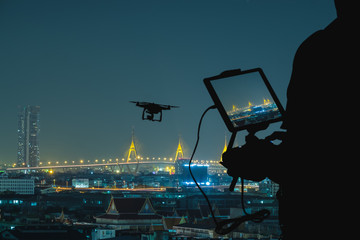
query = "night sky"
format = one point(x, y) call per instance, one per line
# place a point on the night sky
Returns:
point(83, 61)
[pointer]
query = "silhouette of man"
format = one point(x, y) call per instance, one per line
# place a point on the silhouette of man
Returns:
point(315, 164)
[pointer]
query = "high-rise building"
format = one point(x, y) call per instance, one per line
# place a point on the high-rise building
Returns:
point(28, 136)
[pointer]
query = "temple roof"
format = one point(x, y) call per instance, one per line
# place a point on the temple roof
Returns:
point(130, 206)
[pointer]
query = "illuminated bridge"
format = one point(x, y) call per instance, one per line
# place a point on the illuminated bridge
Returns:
point(131, 164)
point(95, 165)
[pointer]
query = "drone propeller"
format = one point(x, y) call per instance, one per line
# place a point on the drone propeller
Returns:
point(167, 107)
point(163, 106)
point(140, 104)
point(173, 106)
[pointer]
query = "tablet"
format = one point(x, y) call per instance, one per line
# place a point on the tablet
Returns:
point(245, 99)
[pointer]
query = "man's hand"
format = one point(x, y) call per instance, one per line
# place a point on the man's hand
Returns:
point(249, 161)
point(277, 135)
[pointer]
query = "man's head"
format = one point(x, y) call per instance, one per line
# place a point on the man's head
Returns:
point(346, 8)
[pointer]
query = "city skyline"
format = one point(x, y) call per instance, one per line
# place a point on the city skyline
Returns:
point(82, 62)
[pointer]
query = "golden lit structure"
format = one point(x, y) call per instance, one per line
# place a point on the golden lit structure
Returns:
point(234, 108)
point(179, 152)
point(131, 162)
point(266, 101)
point(132, 150)
point(248, 108)
point(224, 150)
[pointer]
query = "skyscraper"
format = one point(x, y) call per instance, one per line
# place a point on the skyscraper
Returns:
point(28, 136)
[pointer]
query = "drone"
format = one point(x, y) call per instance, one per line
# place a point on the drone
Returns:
point(152, 108)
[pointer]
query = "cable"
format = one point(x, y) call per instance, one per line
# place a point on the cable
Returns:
point(233, 223)
point(191, 158)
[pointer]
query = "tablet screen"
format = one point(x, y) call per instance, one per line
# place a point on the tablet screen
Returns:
point(246, 99)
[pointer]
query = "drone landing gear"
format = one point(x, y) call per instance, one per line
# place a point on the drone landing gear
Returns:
point(147, 115)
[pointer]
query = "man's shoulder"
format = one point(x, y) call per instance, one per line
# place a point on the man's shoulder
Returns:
point(312, 42)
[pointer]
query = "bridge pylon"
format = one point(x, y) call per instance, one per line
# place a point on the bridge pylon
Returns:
point(179, 152)
point(132, 152)
point(224, 150)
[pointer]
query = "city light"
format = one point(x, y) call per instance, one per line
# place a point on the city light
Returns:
point(83, 63)
point(253, 113)
point(153, 174)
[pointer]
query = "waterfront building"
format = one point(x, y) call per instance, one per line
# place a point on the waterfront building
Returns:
point(80, 182)
point(28, 136)
point(50, 231)
point(19, 186)
point(102, 233)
